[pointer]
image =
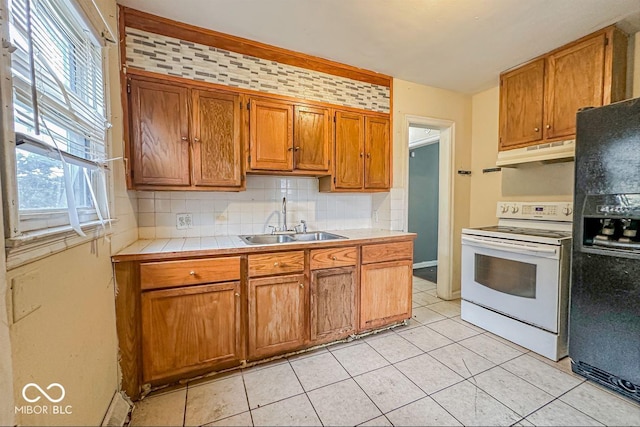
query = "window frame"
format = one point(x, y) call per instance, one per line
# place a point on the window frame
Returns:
point(25, 239)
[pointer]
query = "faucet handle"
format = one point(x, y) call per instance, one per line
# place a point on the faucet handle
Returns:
point(273, 229)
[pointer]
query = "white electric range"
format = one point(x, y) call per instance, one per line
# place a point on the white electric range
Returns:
point(515, 276)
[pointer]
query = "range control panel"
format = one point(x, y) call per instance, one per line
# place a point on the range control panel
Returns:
point(545, 211)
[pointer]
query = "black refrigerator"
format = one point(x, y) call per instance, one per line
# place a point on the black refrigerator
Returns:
point(604, 319)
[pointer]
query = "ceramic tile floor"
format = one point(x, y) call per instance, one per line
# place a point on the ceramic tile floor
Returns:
point(436, 371)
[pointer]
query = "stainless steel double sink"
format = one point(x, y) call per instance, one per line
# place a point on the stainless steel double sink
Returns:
point(271, 239)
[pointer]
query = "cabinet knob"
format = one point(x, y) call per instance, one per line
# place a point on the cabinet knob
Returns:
point(302, 285)
point(334, 258)
point(368, 155)
point(290, 149)
point(192, 273)
point(184, 138)
point(196, 139)
point(297, 148)
point(237, 294)
point(361, 154)
point(536, 129)
point(275, 264)
point(548, 126)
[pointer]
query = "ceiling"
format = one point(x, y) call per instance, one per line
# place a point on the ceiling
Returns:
point(460, 45)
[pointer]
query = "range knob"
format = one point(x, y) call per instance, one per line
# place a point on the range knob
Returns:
point(567, 210)
point(515, 209)
point(504, 208)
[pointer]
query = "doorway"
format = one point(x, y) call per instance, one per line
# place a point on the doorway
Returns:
point(442, 201)
point(424, 147)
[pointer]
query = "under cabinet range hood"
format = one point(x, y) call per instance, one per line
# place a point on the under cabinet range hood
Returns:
point(550, 152)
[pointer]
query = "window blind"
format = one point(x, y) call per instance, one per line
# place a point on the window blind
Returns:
point(57, 77)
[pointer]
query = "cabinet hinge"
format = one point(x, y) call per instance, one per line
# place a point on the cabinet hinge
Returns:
point(606, 41)
point(128, 87)
point(334, 179)
point(334, 119)
point(249, 159)
point(248, 106)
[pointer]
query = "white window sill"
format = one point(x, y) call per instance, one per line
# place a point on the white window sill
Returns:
point(34, 245)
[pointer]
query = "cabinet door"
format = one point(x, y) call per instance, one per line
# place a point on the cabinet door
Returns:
point(385, 293)
point(271, 130)
point(521, 105)
point(216, 139)
point(377, 159)
point(311, 138)
point(159, 133)
point(575, 79)
point(276, 315)
point(333, 304)
point(191, 328)
point(349, 150)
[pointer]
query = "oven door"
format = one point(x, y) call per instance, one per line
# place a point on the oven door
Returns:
point(518, 279)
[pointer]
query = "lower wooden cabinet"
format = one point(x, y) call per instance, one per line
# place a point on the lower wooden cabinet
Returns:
point(385, 293)
point(276, 315)
point(190, 328)
point(333, 304)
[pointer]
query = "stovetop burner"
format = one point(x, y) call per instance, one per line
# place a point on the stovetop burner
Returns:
point(526, 231)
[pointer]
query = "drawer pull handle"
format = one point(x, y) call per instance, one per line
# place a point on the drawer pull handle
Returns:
point(192, 273)
point(275, 264)
point(334, 258)
point(302, 285)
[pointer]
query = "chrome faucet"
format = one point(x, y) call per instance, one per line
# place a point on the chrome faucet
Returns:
point(284, 214)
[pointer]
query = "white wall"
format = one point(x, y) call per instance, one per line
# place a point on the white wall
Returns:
point(253, 210)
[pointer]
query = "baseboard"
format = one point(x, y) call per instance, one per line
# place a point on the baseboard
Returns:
point(118, 413)
point(425, 264)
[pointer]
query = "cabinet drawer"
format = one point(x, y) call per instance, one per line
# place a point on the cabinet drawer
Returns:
point(333, 257)
point(166, 274)
point(276, 263)
point(387, 252)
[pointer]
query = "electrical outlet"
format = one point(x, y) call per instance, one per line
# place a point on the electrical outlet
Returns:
point(184, 221)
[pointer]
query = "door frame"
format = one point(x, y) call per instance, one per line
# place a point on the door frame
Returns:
point(445, 196)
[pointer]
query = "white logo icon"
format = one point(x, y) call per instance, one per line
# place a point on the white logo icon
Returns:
point(43, 393)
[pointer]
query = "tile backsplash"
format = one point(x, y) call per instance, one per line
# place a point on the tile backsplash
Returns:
point(252, 211)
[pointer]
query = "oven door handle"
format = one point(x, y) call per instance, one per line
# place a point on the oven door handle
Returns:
point(512, 248)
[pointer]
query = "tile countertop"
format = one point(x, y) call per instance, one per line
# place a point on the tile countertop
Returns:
point(156, 249)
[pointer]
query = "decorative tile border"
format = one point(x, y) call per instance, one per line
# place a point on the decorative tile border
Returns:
point(161, 54)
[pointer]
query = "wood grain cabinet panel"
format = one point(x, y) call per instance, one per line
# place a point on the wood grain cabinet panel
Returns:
point(349, 151)
point(574, 81)
point(276, 263)
point(333, 257)
point(169, 274)
point(387, 252)
point(276, 315)
point(187, 329)
point(539, 100)
point(159, 133)
point(312, 136)
point(377, 158)
point(385, 293)
point(216, 139)
point(271, 130)
point(521, 105)
point(333, 304)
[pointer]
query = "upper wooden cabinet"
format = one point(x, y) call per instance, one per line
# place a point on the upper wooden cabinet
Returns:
point(362, 154)
point(349, 151)
point(539, 100)
point(159, 133)
point(182, 137)
point(288, 137)
point(216, 139)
